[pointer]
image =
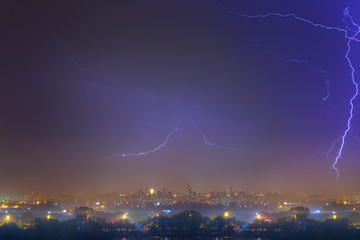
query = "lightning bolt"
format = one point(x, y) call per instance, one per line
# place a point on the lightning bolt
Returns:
point(351, 113)
point(207, 142)
point(75, 61)
point(305, 62)
point(351, 32)
point(289, 15)
point(70, 55)
point(172, 132)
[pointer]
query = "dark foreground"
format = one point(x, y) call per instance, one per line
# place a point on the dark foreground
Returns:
point(188, 224)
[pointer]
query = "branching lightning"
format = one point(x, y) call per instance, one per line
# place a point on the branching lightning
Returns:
point(71, 56)
point(207, 142)
point(351, 32)
point(288, 15)
point(74, 61)
point(305, 62)
point(347, 17)
point(172, 132)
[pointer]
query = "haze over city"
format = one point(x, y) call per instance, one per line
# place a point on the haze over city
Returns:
point(123, 95)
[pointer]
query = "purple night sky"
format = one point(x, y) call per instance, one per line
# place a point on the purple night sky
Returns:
point(84, 84)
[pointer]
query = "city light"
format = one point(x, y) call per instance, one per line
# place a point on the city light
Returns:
point(316, 211)
point(234, 111)
point(166, 211)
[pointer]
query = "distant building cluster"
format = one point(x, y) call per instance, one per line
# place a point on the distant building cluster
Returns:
point(140, 205)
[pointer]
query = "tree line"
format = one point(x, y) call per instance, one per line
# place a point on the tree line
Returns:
point(186, 224)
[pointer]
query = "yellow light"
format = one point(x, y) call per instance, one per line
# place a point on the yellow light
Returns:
point(334, 216)
point(37, 202)
point(124, 216)
point(157, 215)
point(226, 214)
point(345, 202)
point(152, 191)
point(7, 218)
point(258, 216)
point(48, 216)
